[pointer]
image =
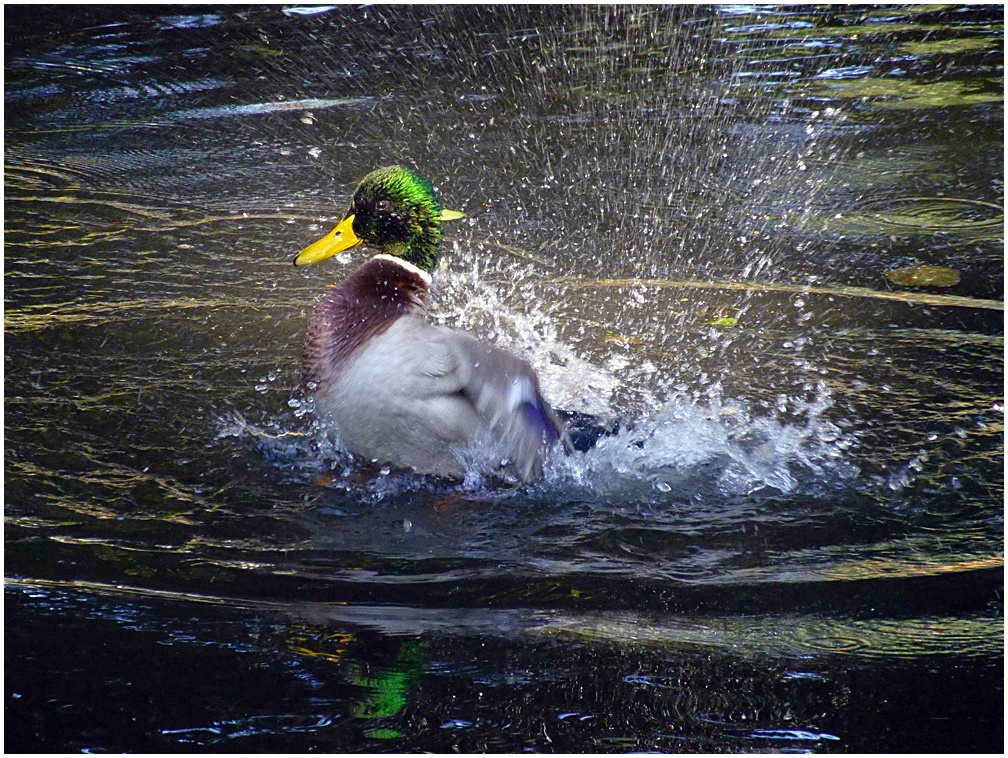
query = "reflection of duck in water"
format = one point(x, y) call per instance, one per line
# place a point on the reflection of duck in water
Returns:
point(397, 388)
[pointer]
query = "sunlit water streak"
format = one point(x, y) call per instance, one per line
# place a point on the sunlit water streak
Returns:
point(790, 635)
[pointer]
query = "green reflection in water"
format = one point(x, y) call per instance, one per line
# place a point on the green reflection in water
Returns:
point(389, 688)
point(383, 734)
point(948, 46)
point(911, 94)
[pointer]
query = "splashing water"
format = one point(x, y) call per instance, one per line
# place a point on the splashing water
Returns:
point(718, 448)
point(700, 446)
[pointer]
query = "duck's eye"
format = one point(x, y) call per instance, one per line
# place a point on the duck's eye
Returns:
point(381, 206)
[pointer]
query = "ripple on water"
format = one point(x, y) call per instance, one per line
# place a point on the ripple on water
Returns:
point(956, 215)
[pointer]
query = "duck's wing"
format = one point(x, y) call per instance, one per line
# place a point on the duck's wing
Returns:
point(419, 391)
point(504, 389)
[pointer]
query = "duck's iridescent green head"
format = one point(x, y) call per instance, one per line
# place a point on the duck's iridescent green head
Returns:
point(394, 210)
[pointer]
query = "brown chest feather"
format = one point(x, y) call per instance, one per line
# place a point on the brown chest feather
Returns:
point(364, 305)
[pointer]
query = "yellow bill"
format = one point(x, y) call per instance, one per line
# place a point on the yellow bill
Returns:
point(339, 239)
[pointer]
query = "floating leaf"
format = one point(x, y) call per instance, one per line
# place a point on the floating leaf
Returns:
point(725, 321)
point(924, 276)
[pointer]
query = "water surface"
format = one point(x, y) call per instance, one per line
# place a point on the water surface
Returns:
point(684, 217)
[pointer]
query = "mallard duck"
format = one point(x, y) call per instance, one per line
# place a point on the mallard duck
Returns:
point(398, 389)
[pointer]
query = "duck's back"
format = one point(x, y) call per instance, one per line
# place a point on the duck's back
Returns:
point(400, 400)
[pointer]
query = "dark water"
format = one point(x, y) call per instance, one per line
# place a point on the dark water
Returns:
point(684, 217)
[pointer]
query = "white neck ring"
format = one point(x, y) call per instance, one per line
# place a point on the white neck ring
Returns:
point(406, 265)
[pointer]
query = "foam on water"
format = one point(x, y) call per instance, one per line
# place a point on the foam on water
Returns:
point(682, 451)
